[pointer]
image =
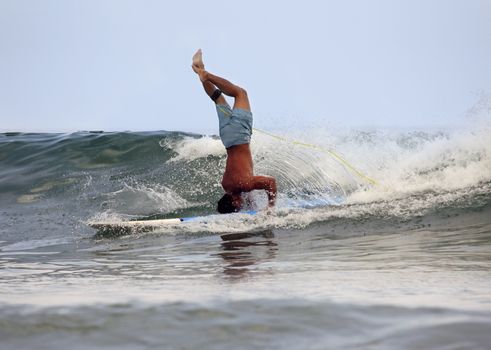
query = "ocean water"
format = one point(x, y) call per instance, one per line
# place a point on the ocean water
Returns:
point(403, 264)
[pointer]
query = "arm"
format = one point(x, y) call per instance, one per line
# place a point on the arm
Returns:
point(268, 184)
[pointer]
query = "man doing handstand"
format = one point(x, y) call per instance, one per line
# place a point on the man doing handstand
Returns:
point(235, 132)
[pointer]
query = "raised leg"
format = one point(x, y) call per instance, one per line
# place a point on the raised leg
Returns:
point(228, 88)
point(207, 85)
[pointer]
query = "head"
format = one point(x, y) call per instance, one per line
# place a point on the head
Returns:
point(229, 204)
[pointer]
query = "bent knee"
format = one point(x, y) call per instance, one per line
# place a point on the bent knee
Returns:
point(241, 92)
point(241, 99)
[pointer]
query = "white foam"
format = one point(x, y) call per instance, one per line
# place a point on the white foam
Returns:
point(415, 170)
point(454, 161)
point(190, 148)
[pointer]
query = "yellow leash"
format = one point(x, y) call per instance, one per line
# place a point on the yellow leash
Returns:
point(337, 157)
point(333, 154)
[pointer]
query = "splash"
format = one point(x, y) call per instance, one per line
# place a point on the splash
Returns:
point(191, 148)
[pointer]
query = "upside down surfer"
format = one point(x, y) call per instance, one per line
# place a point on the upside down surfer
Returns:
point(235, 132)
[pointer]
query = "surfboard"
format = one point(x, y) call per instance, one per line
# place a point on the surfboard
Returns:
point(150, 225)
point(124, 227)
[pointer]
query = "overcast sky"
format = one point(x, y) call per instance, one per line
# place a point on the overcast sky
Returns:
point(125, 65)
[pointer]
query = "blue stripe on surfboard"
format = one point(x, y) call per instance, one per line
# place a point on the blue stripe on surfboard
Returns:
point(292, 203)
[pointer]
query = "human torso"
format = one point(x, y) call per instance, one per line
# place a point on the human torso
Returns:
point(239, 169)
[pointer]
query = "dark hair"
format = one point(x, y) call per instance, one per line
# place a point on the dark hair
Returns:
point(225, 205)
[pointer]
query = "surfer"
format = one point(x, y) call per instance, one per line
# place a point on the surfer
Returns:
point(235, 132)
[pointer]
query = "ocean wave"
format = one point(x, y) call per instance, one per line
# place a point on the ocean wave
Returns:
point(171, 173)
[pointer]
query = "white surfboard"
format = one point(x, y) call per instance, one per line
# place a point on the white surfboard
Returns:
point(122, 227)
point(147, 225)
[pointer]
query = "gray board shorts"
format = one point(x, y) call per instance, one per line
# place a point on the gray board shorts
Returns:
point(235, 125)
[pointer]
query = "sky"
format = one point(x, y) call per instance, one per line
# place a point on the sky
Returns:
point(119, 65)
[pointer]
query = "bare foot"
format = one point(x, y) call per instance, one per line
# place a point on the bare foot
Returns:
point(198, 59)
